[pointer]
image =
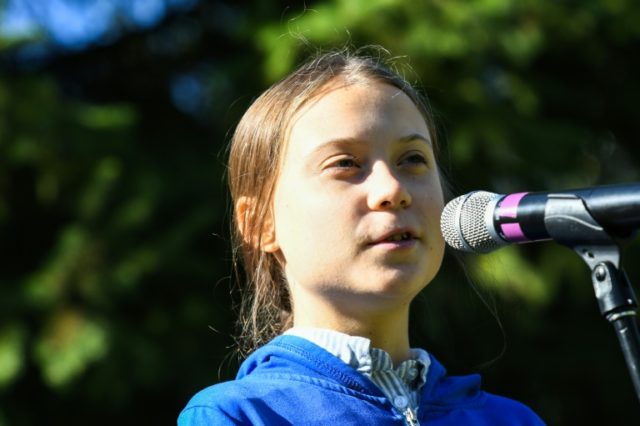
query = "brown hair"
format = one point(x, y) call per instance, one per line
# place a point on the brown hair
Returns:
point(256, 151)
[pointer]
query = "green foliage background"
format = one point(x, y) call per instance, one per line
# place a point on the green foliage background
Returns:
point(115, 301)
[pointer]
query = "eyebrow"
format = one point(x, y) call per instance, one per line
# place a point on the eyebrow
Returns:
point(415, 136)
point(350, 141)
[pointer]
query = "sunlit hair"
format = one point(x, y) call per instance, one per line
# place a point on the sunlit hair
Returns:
point(255, 156)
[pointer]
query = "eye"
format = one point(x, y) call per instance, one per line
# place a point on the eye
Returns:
point(342, 166)
point(344, 163)
point(414, 158)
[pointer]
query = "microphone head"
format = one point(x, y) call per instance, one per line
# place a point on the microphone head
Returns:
point(467, 223)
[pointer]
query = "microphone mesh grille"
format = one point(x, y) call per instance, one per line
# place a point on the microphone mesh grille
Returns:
point(471, 233)
point(448, 223)
point(474, 229)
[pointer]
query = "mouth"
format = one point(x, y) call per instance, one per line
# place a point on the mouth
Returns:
point(397, 236)
point(404, 236)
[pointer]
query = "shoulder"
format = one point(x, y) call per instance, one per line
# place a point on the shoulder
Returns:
point(279, 399)
point(502, 410)
point(483, 409)
point(217, 404)
point(280, 382)
point(461, 400)
point(246, 401)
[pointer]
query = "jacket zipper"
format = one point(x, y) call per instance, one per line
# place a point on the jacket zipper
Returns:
point(411, 417)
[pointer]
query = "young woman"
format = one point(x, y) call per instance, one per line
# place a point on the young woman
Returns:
point(337, 199)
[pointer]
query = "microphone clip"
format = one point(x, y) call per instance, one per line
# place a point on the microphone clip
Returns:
point(569, 223)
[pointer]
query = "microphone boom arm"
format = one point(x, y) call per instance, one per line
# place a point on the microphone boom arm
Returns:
point(569, 222)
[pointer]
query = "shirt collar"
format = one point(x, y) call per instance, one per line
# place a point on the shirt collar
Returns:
point(357, 352)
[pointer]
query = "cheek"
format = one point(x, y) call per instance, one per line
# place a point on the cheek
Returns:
point(311, 224)
point(432, 210)
point(430, 196)
point(437, 240)
point(297, 218)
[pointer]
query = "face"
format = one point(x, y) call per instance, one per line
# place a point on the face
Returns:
point(358, 199)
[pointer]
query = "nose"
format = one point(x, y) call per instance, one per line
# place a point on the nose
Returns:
point(386, 191)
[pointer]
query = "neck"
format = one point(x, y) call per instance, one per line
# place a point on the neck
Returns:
point(388, 329)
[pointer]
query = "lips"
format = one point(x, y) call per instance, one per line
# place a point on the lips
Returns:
point(399, 237)
point(396, 236)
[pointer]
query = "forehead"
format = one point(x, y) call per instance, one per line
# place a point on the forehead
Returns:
point(365, 109)
point(350, 93)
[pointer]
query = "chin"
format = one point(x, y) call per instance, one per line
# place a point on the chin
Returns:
point(398, 284)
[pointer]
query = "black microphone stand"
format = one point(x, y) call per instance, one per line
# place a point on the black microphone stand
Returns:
point(569, 222)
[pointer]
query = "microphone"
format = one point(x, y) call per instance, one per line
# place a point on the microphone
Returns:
point(481, 222)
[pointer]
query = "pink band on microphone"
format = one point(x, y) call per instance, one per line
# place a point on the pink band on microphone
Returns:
point(509, 205)
point(513, 232)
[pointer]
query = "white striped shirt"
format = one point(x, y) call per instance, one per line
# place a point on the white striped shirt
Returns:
point(401, 385)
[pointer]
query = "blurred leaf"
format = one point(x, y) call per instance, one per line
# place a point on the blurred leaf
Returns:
point(105, 116)
point(68, 346)
point(48, 285)
point(106, 174)
point(511, 276)
point(12, 348)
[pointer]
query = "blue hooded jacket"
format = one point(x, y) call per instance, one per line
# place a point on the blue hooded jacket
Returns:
point(291, 381)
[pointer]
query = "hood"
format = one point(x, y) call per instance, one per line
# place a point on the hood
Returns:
point(292, 355)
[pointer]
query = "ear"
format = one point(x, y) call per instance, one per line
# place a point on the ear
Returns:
point(246, 216)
